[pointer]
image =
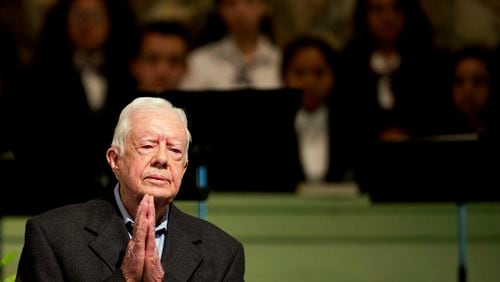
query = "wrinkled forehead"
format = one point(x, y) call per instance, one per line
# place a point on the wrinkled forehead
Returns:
point(158, 121)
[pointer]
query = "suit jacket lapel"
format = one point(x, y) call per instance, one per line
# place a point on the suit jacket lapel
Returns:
point(182, 256)
point(110, 235)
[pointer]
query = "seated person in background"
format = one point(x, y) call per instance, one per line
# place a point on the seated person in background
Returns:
point(392, 86)
point(241, 53)
point(159, 63)
point(472, 90)
point(472, 119)
point(309, 63)
point(73, 89)
point(80, 60)
point(123, 235)
point(391, 72)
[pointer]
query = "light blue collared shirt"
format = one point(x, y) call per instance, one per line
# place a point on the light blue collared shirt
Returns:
point(161, 229)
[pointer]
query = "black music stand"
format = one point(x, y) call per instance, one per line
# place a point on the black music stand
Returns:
point(236, 128)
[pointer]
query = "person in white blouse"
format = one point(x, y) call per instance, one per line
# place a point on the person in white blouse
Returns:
point(244, 56)
point(310, 64)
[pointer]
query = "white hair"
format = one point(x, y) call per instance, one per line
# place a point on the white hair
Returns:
point(123, 126)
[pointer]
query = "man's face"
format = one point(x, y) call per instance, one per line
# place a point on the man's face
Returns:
point(161, 63)
point(154, 158)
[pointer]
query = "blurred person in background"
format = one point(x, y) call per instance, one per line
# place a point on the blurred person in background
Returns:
point(472, 90)
point(393, 70)
point(391, 83)
point(160, 60)
point(309, 63)
point(71, 92)
point(239, 51)
point(471, 121)
point(81, 56)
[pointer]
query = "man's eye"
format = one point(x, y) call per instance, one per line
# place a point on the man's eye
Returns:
point(177, 153)
point(145, 148)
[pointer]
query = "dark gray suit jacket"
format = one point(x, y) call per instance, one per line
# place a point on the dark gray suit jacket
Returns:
point(87, 241)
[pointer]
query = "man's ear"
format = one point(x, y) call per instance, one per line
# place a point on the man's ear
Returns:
point(112, 156)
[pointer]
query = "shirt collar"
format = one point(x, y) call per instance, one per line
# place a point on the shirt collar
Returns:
point(312, 121)
point(262, 54)
point(126, 216)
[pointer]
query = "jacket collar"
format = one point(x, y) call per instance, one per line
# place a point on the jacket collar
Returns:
point(182, 254)
point(180, 258)
point(111, 235)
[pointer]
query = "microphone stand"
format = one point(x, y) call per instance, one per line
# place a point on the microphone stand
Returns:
point(462, 241)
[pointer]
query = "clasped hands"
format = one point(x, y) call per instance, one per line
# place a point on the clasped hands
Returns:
point(142, 262)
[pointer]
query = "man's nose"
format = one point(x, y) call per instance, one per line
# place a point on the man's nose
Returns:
point(161, 156)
